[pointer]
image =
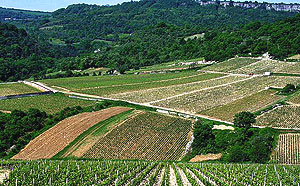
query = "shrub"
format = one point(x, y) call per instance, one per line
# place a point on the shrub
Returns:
point(244, 120)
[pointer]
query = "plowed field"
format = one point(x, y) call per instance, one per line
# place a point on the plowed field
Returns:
point(58, 137)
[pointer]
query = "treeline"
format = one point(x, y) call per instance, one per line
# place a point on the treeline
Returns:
point(244, 144)
point(23, 56)
point(91, 22)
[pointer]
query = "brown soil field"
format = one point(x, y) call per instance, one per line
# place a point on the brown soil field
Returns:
point(58, 137)
point(200, 158)
point(82, 146)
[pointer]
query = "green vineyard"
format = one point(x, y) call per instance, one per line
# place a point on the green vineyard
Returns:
point(147, 173)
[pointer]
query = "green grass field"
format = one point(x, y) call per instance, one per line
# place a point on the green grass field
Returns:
point(105, 91)
point(49, 103)
point(15, 89)
point(88, 82)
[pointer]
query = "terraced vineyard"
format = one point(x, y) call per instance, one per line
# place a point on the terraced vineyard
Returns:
point(155, 94)
point(148, 173)
point(16, 89)
point(288, 149)
point(51, 104)
point(281, 117)
point(231, 64)
point(48, 144)
point(91, 82)
point(262, 66)
point(250, 103)
point(147, 136)
point(201, 100)
point(106, 91)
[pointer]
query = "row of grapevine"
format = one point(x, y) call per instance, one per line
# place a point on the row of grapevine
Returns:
point(287, 116)
point(148, 136)
point(98, 172)
point(288, 149)
point(196, 102)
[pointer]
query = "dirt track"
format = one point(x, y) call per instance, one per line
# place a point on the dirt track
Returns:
point(58, 137)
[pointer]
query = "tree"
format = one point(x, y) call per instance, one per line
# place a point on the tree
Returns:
point(289, 88)
point(204, 138)
point(244, 120)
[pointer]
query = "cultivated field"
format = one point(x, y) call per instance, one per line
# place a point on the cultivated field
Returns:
point(147, 136)
point(230, 64)
point(16, 89)
point(87, 139)
point(149, 173)
point(295, 99)
point(288, 149)
point(262, 66)
point(170, 66)
point(282, 117)
point(78, 83)
point(197, 102)
point(250, 103)
point(155, 94)
point(51, 104)
point(109, 90)
point(58, 137)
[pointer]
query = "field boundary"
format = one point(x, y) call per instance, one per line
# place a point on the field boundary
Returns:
point(164, 110)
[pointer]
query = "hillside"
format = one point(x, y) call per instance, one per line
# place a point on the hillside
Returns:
point(129, 17)
point(137, 34)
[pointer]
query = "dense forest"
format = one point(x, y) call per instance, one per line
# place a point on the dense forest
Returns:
point(137, 34)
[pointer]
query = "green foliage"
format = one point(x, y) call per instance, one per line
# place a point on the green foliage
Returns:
point(137, 34)
point(244, 120)
point(288, 89)
point(241, 145)
point(19, 128)
point(204, 138)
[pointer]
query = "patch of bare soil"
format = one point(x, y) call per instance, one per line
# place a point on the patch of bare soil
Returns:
point(58, 137)
point(223, 127)
point(200, 158)
point(81, 147)
point(173, 181)
point(4, 174)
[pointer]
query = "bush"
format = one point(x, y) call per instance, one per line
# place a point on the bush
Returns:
point(244, 120)
point(204, 138)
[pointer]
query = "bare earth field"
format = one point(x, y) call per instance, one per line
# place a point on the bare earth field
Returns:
point(58, 137)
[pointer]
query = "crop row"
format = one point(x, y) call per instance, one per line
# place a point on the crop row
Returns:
point(148, 136)
point(207, 99)
point(165, 92)
point(288, 149)
point(48, 103)
point(148, 173)
point(15, 89)
point(75, 83)
point(283, 117)
point(231, 64)
point(116, 89)
point(262, 67)
point(250, 103)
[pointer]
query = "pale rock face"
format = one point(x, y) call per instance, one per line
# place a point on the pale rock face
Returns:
point(267, 6)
